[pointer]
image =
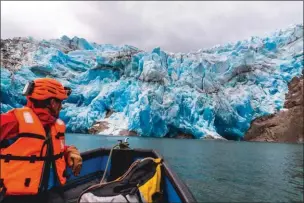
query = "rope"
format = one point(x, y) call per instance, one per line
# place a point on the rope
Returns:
point(110, 155)
point(121, 145)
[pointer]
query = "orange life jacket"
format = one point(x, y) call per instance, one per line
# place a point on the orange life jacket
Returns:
point(25, 163)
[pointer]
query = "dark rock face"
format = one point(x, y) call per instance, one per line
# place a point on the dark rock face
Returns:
point(14, 52)
point(184, 136)
point(286, 125)
point(294, 97)
point(128, 133)
point(98, 127)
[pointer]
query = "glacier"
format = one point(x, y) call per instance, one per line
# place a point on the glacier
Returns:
point(211, 92)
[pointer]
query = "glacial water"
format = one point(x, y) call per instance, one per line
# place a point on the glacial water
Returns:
point(223, 171)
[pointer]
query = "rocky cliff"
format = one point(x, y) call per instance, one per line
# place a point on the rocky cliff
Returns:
point(285, 125)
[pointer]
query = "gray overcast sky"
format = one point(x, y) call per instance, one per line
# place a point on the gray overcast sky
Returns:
point(174, 26)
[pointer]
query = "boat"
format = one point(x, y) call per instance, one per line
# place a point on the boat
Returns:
point(96, 165)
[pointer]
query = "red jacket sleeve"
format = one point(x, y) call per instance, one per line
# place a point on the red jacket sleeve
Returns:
point(8, 126)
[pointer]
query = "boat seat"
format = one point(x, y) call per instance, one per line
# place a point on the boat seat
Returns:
point(72, 194)
point(73, 188)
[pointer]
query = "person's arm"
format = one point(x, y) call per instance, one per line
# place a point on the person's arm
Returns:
point(73, 159)
point(8, 126)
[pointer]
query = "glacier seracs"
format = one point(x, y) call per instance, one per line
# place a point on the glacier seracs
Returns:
point(216, 91)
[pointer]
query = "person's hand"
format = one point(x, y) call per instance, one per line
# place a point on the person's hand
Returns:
point(74, 160)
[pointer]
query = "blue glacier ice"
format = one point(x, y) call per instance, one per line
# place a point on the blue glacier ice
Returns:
point(215, 91)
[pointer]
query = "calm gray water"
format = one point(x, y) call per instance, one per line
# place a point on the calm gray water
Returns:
point(222, 171)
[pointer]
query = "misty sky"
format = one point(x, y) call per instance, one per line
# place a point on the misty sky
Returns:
point(174, 26)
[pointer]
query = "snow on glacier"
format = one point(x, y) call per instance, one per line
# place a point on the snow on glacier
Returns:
point(216, 91)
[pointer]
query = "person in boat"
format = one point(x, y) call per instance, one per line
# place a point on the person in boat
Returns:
point(34, 157)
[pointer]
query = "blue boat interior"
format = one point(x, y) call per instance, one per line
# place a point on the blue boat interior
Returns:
point(94, 165)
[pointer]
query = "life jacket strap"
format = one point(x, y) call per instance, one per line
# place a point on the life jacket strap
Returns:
point(59, 135)
point(31, 135)
point(1, 182)
point(7, 142)
point(32, 158)
point(3, 189)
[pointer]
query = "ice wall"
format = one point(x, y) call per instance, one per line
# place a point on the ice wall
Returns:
point(216, 91)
